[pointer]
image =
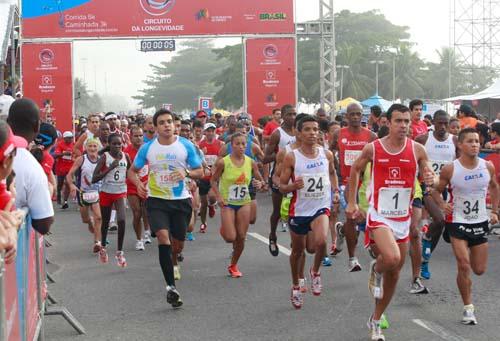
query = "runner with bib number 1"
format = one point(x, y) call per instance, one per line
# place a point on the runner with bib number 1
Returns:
point(230, 182)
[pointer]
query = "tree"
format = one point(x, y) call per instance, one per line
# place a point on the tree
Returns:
point(184, 78)
point(230, 79)
point(86, 103)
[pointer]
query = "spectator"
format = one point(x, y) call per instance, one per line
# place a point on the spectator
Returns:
point(484, 135)
point(373, 121)
point(272, 125)
point(454, 126)
point(5, 103)
point(383, 121)
point(494, 143)
point(465, 116)
point(31, 183)
point(418, 127)
point(201, 116)
point(45, 140)
point(321, 114)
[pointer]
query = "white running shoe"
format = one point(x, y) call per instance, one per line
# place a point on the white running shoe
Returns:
point(147, 237)
point(120, 259)
point(375, 330)
point(354, 265)
point(139, 245)
point(303, 285)
point(468, 315)
point(375, 282)
point(296, 298)
point(315, 283)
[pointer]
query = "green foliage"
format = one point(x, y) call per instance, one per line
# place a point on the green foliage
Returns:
point(230, 79)
point(184, 78)
point(86, 103)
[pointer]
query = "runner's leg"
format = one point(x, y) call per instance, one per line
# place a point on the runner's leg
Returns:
point(461, 250)
point(135, 205)
point(415, 243)
point(106, 214)
point(275, 215)
point(242, 223)
point(298, 246)
point(319, 227)
point(96, 212)
point(120, 217)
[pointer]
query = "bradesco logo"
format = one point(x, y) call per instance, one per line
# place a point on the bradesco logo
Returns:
point(272, 16)
point(157, 7)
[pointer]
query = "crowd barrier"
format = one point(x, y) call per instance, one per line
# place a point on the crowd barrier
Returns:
point(22, 288)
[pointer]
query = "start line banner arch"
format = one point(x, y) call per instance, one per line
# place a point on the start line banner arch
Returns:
point(47, 22)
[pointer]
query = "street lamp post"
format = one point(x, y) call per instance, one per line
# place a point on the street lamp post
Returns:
point(342, 67)
point(376, 62)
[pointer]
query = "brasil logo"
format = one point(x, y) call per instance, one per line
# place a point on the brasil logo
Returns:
point(157, 7)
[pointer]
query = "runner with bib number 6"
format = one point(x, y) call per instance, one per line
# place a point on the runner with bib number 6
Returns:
point(230, 182)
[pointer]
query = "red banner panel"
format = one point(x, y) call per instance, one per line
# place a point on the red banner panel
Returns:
point(270, 75)
point(139, 18)
point(47, 79)
point(11, 304)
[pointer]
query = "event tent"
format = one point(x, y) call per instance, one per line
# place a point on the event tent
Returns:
point(377, 100)
point(485, 102)
point(343, 103)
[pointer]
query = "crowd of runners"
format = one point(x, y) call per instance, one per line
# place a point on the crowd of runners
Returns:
point(395, 181)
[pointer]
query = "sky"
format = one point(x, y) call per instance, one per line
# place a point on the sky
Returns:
point(118, 68)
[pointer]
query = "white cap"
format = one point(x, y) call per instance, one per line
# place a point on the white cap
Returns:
point(67, 134)
point(19, 94)
point(209, 125)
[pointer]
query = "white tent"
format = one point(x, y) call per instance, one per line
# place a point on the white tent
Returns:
point(493, 91)
point(6, 18)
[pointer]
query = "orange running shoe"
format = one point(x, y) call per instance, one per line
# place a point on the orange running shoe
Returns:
point(234, 272)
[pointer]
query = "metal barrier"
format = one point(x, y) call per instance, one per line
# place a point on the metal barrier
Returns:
point(23, 290)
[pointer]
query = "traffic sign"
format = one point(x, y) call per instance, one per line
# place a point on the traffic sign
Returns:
point(157, 45)
point(205, 103)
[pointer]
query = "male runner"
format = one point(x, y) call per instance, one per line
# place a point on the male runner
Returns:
point(309, 173)
point(418, 126)
point(348, 142)
point(168, 200)
point(441, 149)
point(394, 159)
point(149, 129)
point(91, 132)
point(469, 178)
point(210, 147)
point(282, 136)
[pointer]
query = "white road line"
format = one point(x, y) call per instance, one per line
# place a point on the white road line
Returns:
point(438, 330)
point(265, 240)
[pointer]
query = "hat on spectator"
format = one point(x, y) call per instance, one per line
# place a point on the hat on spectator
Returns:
point(201, 113)
point(47, 135)
point(209, 126)
point(11, 143)
point(110, 116)
point(67, 134)
point(465, 108)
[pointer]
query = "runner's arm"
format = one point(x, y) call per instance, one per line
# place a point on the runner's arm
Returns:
point(286, 174)
point(493, 189)
point(270, 153)
point(79, 145)
point(214, 180)
point(444, 181)
point(356, 169)
point(334, 180)
point(430, 178)
point(99, 172)
point(278, 165)
point(69, 177)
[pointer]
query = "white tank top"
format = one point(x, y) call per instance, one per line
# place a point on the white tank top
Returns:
point(317, 193)
point(114, 181)
point(86, 171)
point(285, 138)
point(440, 153)
point(468, 188)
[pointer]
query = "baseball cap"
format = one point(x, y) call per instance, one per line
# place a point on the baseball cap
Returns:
point(201, 113)
point(465, 108)
point(209, 126)
point(11, 143)
point(47, 135)
point(110, 115)
point(67, 134)
point(243, 117)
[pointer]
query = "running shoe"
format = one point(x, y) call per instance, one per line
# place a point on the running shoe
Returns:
point(354, 265)
point(284, 226)
point(65, 205)
point(296, 298)
point(315, 282)
point(211, 211)
point(303, 285)
point(339, 227)
point(139, 245)
point(147, 237)
point(273, 247)
point(203, 228)
point(97, 247)
point(327, 261)
point(384, 322)
point(425, 273)
point(103, 255)
point(180, 257)
point(234, 272)
point(426, 249)
point(177, 272)
point(173, 297)
point(334, 251)
point(375, 282)
point(417, 287)
point(468, 315)
point(375, 330)
point(113, 227)
point(120, 259)
point(190, 236)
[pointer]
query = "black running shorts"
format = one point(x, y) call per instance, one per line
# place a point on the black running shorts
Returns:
point(172, 215)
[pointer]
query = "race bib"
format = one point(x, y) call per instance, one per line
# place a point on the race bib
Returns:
point(315, 186)
point(350, 156)
point(437, 165)
point(144, 171)
point(470, 209)
point(394, 202)
point(90, 197)
point(238, 192)
point(118, 175)
point(210, 159)
point(165, 178)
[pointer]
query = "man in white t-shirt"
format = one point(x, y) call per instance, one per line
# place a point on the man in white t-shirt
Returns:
point(32, 186)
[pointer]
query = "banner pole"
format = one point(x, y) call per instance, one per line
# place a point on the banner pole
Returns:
point(3, 335)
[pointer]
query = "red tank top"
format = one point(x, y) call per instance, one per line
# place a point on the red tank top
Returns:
point(143, 174)
point(350, 147)
point(393, 181)
point(211, 151)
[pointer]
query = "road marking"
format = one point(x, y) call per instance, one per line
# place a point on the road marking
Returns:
point(265, 240)
point(438, 330)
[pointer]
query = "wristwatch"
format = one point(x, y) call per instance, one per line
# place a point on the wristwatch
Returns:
point(187, 172)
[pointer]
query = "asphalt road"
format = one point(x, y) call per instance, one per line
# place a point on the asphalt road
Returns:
point(130, 304)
